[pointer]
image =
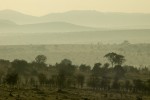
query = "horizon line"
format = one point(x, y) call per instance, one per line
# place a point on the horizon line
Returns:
point(60, 12)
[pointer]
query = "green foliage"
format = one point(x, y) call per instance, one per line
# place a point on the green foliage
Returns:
point(42, 78)
point(139, 84)
point(11, 78)
point(148, 84)
point(119, 71)
point(96, 69)
point(115, 58)
point(4, 63)
point(93, 82)
point(20, 66)
point(128, 84)
point(65, 69)
point(84, 68)
point(115, 84)
point(80, 79)
point(66, 75)
point(105, 83)
point(40, 59)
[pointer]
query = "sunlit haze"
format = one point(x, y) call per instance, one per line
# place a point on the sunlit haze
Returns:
point(42, 7)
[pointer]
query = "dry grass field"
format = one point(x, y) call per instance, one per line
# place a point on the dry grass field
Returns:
point(67, 94)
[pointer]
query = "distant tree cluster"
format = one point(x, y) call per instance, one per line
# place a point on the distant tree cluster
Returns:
point(100, 77)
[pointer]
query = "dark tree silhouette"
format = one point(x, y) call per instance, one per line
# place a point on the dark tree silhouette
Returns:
point(93, 82)
point(105, 83)
point(148, 84)
point(96, 69)
point(42, 78)
point(40, 59)
point(20, 66)
point(111, 57)
point(128, 85)
point(80, 79)
point(119, 59)
point(65, 69)
point(138, 85)
point(119, 71)
point(84, 68)
point(115, 58)
point(39, 62)
point(11, 78)
point(115, 84)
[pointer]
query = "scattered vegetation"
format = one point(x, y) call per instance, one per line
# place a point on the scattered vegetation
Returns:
point(65, 81)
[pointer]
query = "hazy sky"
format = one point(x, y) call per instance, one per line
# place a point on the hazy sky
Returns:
point(41, 7)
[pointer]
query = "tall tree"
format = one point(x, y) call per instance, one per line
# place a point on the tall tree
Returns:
point(42, 78)
point(65, 69)
point(96, 69)
point(84, 68)
point(41, 59)
point(115, 58)
point(20, 66)
point(39, 62)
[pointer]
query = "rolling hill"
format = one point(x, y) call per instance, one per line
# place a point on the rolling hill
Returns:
point(84, 37)
point(10, 27)
point(17, 17)
point(83, 18)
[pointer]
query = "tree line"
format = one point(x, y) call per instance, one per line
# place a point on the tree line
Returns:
point(110, 76)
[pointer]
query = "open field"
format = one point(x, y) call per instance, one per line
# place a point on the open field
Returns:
point(67, 94)
point(136, 54)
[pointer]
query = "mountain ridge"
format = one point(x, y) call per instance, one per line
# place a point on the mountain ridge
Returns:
point(89, 18)
point(11, 27)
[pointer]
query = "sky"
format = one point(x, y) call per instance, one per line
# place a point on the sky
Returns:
point(42, 7)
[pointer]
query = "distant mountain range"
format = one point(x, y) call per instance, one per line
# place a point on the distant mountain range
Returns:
point(73, 27)
point(83, 18)
point(11, 27)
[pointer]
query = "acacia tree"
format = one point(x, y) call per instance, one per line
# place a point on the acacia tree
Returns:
point(65, 70)
point(105, 70)
point(20, 66)
point(115, 58)
point(40, 59)
point(94, 80)
point(84, 68)
point(39, 62)
point(119, 60)
point(96, 69)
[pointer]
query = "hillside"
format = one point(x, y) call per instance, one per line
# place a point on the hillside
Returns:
point(17, 17)
point(100, 19)
point(10, 27)
point(84, 18)
point(6, 23)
